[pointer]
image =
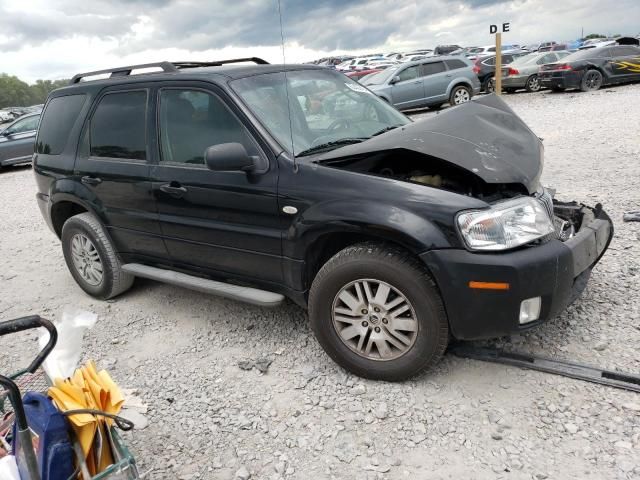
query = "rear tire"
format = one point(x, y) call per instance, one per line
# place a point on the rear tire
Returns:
point(489, 85)
point(354, 336)
point(91, 258)
point(591, 80)
point(459, 95)
point(533, 84)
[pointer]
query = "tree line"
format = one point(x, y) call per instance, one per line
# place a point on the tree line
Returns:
point(16, 93)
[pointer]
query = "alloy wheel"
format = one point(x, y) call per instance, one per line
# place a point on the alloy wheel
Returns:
point(534, 84)
point(593, 79)
point(461, 96)
point(374, 319)
point(86, 259)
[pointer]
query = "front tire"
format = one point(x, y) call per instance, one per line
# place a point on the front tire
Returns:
point(591, 81)
point(91, 258)
point(377, 313)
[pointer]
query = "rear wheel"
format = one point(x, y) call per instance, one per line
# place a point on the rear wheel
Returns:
point(489, 85)
point(460, 95)
point(91, 258)
point(377, 313)
point(592, 80)
point(533, 84)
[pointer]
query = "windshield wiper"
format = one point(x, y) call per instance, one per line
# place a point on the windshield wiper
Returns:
point(329, 145)
point(385, 130)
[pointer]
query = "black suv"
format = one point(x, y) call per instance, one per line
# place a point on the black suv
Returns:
point(259, 182)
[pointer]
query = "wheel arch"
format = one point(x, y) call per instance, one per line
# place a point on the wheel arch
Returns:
point(459, 82)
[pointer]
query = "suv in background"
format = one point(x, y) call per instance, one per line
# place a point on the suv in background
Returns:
point(17, 139)
point(258, 184)
point(426, 83)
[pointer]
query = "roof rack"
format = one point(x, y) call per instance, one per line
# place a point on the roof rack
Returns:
point(165, 66)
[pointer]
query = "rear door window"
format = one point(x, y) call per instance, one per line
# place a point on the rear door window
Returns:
point(455, 64)
point(118, 126)
point(433, 68)
point(59, 117)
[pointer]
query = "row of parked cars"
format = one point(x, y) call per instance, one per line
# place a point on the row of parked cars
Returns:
point(17, 134)
point(434, 80)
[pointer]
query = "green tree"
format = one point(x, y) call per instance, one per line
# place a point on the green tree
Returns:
point(594, 35)
point(16, 93)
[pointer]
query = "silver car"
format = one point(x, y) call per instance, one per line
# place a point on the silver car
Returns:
point(523, 71)
point(430, 82)
point(17, 140)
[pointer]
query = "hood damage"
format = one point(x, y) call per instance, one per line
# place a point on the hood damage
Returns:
point(480, 148)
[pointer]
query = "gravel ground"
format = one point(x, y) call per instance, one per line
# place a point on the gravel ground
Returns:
point(307, 418)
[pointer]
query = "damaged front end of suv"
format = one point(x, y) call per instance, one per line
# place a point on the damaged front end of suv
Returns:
point(518, 256)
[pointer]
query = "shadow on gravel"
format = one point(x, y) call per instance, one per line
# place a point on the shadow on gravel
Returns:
point(14, 168)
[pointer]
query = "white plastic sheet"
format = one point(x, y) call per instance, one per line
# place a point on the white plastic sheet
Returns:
point(64, 359)
point(8, 468)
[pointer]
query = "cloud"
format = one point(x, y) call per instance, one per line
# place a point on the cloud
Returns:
point(43, 38)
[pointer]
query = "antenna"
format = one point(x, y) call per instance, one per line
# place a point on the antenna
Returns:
point(286, 89)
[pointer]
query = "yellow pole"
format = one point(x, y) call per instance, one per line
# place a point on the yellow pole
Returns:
point(498, 75)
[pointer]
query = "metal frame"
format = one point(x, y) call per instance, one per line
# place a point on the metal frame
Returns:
point(167, 67)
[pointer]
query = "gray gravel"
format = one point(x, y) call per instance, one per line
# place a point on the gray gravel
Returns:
point(305, 417)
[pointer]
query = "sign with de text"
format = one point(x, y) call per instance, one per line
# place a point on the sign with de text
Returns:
point(494, 28)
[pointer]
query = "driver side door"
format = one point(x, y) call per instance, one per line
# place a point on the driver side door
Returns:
point(226, 223)
point(409, 90)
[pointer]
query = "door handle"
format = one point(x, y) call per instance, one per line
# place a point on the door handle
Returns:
point(175, 190)
point(88, 180)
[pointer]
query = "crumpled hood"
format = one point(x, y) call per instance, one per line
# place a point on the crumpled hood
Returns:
point(483, 136)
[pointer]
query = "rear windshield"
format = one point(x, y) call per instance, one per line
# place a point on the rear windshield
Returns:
point(58, 119)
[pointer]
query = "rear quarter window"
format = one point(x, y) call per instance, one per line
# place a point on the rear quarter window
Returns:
point(58, 119)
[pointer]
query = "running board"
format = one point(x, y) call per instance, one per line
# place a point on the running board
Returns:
point(565, 368)
point(227, 290)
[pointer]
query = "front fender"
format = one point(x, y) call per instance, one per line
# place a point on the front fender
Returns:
point(384, 221)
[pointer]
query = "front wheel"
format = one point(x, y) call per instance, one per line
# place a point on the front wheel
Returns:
point(91, 258)
point(377, 313)
point(459, 95)
point(592, 80)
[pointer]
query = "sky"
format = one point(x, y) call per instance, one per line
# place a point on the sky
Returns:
point(53, 39)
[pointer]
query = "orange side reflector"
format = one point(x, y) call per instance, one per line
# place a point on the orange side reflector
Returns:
point(489, 285)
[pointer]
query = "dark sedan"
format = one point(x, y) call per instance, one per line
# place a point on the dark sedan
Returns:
point(16, 141)
point(590, 69)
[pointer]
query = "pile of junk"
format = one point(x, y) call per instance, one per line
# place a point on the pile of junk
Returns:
point(58, 421)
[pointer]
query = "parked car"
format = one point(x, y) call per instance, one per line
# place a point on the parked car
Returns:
point(17, 140)
point(396, 235)
point(592, 68)
point(603, 43)
point(545, 45)
point(485, 69)
point(523, 71)
point(445, 49)
point(359, 74)
point(553, 48)
point(426, 83)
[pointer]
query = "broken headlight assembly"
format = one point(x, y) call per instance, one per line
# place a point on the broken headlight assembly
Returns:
point(505, 225)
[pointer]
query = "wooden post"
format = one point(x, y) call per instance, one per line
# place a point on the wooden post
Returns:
point(498, 74)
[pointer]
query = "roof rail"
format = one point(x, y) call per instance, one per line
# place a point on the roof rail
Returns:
point(165, 66)
point(217, 63)
point(124, 71)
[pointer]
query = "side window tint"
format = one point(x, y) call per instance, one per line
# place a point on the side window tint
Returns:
point(118, 126)
point(58, 119)
point(409, 73)
point(192, 120)
point(455, 64)
point(432, 68)
point(490, 61)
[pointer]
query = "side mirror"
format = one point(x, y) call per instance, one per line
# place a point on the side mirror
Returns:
point(395, 79)
point(229, 157)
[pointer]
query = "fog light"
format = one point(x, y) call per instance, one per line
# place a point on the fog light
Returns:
point(530, 310)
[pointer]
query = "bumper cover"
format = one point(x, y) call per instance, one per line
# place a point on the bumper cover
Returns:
point(552, 79)
point(556, 271)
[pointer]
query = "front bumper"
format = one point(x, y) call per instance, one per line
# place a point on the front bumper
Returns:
point(556, 271)
point(560, 79)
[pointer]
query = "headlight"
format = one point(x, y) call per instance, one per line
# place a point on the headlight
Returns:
point(505, 225)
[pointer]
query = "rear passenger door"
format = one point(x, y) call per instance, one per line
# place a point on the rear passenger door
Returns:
point(113, 166)
point(222, 222)
point(625, 62)
point(436, 81)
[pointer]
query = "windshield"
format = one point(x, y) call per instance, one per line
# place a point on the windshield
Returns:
point(326, 107)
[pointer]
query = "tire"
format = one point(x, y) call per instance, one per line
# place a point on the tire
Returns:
point(459, 95)
point(98, 252)
point(533, 84)
point(398, 271)
point(489, 85)
point(591, 80)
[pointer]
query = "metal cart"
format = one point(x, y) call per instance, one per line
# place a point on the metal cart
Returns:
point(34, 379)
